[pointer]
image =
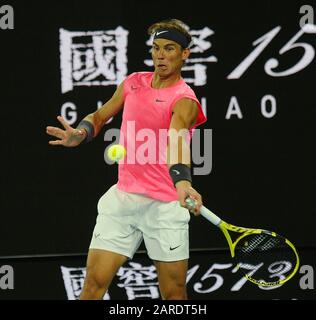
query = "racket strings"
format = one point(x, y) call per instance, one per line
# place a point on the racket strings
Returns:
point(270, 244)
point(261, 242)
point(264, 258)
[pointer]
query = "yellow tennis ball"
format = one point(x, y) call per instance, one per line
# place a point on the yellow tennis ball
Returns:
point(116, 152)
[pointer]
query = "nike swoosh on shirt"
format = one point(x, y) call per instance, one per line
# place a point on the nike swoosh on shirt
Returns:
point(175, 247)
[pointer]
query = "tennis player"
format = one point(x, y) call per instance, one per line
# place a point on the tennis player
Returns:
point(148, 201)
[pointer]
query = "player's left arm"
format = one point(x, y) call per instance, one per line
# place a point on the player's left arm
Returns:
point(184, 116)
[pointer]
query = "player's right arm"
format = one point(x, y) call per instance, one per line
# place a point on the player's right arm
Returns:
point(72, 137)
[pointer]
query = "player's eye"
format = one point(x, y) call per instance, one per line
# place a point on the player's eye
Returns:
point(170, 49)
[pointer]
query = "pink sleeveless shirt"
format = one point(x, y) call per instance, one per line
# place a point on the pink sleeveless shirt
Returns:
point(145, 122)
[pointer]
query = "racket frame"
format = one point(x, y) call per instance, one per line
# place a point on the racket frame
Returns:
point(226, 227)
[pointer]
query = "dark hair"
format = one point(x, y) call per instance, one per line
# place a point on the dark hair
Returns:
point(171, 24)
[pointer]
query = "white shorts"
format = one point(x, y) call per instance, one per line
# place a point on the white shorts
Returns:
point(125, 219)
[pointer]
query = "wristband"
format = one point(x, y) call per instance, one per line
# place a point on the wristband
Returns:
point(180, 172)
point(88, 126)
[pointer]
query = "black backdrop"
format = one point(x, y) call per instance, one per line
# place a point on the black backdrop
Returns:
point(262, 168)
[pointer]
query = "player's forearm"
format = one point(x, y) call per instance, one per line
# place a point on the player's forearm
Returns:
point(178, 150)
point(178, 160)
point(97, 124)
point(178, 135)
point(178, 153)
point(101, 116)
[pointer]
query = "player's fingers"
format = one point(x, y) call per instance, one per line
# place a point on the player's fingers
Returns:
point(64, 122)
point(197, 199)
point(55, 142)
point(50, 129)
point(54, 131)
point(182, 200)
point(194, 194)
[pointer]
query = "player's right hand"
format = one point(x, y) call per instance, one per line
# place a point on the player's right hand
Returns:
point(67, 137)
point(184, 190)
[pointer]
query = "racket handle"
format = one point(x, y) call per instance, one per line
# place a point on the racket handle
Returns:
point(210, 216)
point(206, 213)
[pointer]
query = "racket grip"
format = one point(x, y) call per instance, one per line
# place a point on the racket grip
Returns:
point(210, 216)
point(206, 213)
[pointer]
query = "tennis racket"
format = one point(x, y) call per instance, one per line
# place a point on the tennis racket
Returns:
point(263, 257)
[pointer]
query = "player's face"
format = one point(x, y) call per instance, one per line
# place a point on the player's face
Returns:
point(168, 56)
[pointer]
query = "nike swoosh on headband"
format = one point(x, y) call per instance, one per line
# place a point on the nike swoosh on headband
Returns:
point(160, 32)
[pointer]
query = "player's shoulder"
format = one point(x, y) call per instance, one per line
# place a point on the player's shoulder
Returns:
point(185, 90)
point(139, 76)
point(187, 87)
point(137, 80)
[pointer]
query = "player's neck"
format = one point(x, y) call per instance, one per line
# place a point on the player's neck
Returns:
point(160, 82)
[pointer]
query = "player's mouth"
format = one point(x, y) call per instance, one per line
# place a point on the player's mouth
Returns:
point(161, 66)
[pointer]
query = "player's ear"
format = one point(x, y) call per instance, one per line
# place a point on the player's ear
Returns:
point(185, 54)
